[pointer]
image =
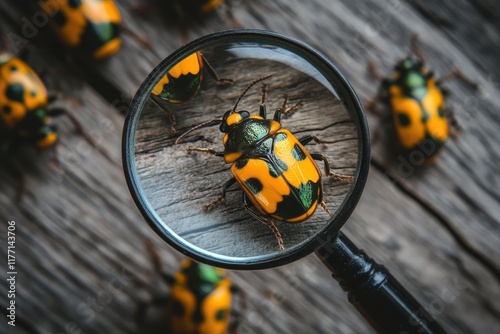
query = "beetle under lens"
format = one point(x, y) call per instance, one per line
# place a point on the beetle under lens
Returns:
point(187, 192)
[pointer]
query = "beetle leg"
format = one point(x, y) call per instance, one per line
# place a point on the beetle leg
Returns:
point(171, 117)
point(76, 123)
point(156, 302)
point(264, 221)
point(52, 97)
point(262, 108)
point(213, 204)
point(221, 81)
point(456, 73)
point(371, 105)
point(242, 299)
point(323, 205)
point(206, 150)
point(277, 115)
point(376, 135)
point(455, 127)
point(307, 139)
point(328, 171)
point(292, 109)
point(372, 69)
point(415, 49)
point(450, 76)
point(155, 258)
point(141, 39)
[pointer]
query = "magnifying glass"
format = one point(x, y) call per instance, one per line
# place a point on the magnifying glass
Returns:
point(246, 149)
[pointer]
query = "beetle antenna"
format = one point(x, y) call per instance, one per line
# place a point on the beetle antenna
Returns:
point(415, 49)
point(207, 123)
point(246, 90)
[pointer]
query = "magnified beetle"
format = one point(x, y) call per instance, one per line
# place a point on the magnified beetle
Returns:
point(183, 82)
point(277, 174)
point(417, 104)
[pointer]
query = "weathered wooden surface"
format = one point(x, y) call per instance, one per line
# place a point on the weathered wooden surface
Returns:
point(81, 258)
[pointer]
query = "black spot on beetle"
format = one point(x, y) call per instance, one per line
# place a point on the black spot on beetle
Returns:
point(7, 110)
point(254, 185)
point(297, 153)
point(74, 3)
point(177, 308)
point(276, 166)
point(221, 315)
point(403, 119)
point(299, 201)
point(240, 163)
point(59, 19)
point(280, 164)
point(441, 112)
point(13, 68)
point(272, 171)
point(15, 92)
point(280, 136)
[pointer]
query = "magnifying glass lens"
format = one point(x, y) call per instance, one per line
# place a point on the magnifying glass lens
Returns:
point(246, 147)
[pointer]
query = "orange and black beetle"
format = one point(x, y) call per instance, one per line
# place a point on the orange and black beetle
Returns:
point(91, 26)
point(24, 117)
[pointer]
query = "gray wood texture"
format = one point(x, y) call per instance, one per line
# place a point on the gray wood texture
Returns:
point(81, 257)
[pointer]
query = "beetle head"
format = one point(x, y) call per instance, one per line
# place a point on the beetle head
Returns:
point(409, 64)
point(231, 118)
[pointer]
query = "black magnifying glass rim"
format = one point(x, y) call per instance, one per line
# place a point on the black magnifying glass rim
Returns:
point(338, 82)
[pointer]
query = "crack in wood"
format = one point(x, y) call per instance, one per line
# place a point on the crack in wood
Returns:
point(458, 236)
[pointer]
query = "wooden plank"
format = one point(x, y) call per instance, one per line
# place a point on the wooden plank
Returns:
point(78, 228)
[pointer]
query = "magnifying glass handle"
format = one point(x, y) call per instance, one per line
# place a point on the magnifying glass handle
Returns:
point(375, 293)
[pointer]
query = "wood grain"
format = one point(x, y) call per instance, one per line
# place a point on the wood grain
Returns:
point(80, 242)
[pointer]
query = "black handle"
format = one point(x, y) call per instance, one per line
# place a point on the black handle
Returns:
point(375, 293)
